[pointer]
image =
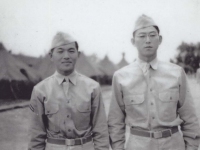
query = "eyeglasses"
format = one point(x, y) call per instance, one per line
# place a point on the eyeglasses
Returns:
point(144, 36)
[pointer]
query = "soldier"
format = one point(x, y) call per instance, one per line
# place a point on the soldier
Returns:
point(152, 98)
point(67, 109)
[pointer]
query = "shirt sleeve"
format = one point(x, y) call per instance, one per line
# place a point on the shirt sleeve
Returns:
point(99, 122)
point(190, 126)
point(116, 117)
point(37, 126)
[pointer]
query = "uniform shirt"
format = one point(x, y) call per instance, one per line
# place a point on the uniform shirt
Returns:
point(152, 102)
point(74, 114)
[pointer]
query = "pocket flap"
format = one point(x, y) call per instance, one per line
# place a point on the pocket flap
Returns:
point(84, 107)
point(169, 96)
point(51, 108)
point(134, 100)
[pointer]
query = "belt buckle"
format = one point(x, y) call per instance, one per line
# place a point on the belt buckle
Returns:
point(157, 135)
point(70, 142)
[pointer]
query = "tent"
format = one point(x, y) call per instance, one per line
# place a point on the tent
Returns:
point(16, 78)
point(86, 67)
point(107, 67)
point(46, 67)
point(123, 62)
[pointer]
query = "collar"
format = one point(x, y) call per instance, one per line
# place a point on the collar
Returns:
point(153, 63)
point(60, 78)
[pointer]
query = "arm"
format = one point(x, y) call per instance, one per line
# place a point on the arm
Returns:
point(99, 123)
point(37, 127)
point(190, 125)
point(116, 118)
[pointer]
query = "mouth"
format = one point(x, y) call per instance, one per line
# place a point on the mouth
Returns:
point(66, 62)
point(148, 47)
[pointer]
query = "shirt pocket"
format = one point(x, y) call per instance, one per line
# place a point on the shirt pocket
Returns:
point(82, 117)
point(136, 107)
point(167, 105)
point(52, 113)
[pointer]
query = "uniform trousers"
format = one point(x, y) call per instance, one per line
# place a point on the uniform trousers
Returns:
point(174, 142)
point(86, 146)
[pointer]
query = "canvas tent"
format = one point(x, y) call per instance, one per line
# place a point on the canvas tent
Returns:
point(123, 62)
point(16, 78)
point(108, 68)
point(86, 67)
point(46, 67)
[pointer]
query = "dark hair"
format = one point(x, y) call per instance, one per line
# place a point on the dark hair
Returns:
point(76, 45)
point(156, 27)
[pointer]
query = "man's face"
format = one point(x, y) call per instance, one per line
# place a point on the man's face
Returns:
point(65, 57)
point(147, 40)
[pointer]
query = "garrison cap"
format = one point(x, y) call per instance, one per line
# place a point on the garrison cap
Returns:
point(143, 22)
point(61, 39)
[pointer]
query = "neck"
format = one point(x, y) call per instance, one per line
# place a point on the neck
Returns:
point(147, 59)
point(65, 73)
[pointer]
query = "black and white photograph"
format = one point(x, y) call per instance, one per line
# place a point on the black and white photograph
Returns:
point(99, 75)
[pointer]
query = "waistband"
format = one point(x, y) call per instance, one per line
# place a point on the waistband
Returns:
point(70, 142)
point(157, 134)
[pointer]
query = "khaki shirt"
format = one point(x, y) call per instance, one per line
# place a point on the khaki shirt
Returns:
point(76, 114)
point(159, 101)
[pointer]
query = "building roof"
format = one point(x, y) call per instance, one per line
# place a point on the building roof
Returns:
point(14, 69)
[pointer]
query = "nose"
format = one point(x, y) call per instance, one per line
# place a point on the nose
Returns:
point(65, 55)
point(148, 39)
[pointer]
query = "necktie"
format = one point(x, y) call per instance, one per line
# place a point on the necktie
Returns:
point(146, 72)
point(66, 86)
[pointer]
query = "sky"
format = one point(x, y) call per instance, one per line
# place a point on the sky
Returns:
point(101, 27)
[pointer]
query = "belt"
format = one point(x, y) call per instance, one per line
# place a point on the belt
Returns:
point(156, 134)
point(70, 142)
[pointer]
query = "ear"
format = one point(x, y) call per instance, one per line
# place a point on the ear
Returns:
point(79, 53)
point(160, 39)
point(133, 41)
point(50, 55)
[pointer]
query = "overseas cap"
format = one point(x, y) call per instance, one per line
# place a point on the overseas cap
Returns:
point(143, 22)
point(60, 39)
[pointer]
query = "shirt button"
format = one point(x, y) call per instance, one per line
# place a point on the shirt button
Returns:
point(69, 130)
point(67, 116)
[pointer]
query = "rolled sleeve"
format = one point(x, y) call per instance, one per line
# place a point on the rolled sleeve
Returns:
point(116, 118)
point(99, 122)
point(190, 126)
point(37, 127)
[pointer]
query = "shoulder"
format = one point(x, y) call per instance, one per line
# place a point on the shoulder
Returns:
point(44, 82)
point(131, 68)
point(169, 66)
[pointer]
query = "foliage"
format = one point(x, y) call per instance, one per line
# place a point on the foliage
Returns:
point(188, 57)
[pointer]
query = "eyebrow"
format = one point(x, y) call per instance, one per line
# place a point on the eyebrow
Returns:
point(146, 32)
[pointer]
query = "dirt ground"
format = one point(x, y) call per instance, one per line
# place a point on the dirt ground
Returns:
point(14, 124)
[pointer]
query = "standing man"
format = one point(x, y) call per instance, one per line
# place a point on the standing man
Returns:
point(67, 109)
point(152, 98)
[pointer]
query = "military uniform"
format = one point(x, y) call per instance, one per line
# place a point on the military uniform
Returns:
point(67, 112)
point(152, 99)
